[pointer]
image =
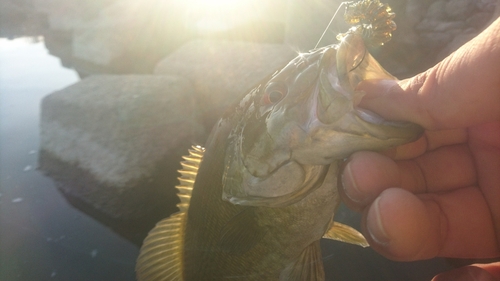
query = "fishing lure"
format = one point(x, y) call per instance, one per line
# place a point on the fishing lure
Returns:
point(370, 18)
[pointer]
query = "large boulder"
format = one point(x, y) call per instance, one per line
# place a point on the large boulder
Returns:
point(129, 37)
point(65, 15)
point(111, 141)
point(222, 71)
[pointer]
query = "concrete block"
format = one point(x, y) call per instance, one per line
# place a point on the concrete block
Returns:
point(223, 71)
point(130, 36)
point(110, 134)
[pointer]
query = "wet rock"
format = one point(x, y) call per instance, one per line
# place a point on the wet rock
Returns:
point(223, 71)
point(108, 141)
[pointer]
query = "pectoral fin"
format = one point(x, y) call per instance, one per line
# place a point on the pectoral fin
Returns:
point(241, 233)
point(345, 233)
point(308, 266)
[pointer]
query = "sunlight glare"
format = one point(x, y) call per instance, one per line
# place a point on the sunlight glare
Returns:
point(219, 15)
point(215, 3)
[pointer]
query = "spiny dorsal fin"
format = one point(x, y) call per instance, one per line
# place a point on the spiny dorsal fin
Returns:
point(308, 266)
point(161, 253)
point(188, 173)
point(344, 233)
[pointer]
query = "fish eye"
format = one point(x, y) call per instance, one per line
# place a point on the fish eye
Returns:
point(274, 93)
point(275, 96)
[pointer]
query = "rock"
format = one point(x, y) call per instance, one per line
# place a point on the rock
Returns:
point(108, 140)
point(456, 43)
point(479, 20)
point(439, 26)
point(252, 21)
point(486, 5)
point(66, 15)
point(460, 9)
point(435, 40)
point(436, 10)
point(415, 10)
point(308, 19)
point(223, 71)
point(450, 25)
point(58, 43)
point(130, 37)
point(20, 19)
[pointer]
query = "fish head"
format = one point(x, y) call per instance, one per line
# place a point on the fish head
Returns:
point(305, 117)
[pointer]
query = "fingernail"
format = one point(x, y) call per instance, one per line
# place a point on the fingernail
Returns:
point(349, 185)
point(375, 225)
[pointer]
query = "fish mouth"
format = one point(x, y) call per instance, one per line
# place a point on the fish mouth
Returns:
point(330, 101)
point(380, 128)
point(335, 100)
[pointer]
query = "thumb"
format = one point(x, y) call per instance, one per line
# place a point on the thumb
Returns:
point(460, 91)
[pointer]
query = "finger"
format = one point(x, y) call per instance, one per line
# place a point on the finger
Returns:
point(430, 140)
point(406, 227)
point(450, 94)
point(409, 150)
point(493, 268)
point(466, 273)
point(436, 139)
point(485, 144)
point(445, 168)
point(367, 174)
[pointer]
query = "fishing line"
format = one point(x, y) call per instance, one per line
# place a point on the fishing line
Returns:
point(330, 23)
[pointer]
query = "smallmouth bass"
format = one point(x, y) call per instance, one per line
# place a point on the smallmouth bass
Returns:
point(257, 200)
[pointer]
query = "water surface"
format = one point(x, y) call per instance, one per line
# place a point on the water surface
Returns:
point(42, 237)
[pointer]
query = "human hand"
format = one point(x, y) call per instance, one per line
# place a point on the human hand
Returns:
point(440, 195)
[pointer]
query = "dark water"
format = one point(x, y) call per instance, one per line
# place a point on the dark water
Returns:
point(42, 237)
